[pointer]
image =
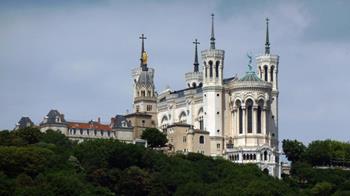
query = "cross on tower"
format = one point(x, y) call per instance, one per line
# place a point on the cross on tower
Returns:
point(196, 42)
point(195, 56)
point(143, 44)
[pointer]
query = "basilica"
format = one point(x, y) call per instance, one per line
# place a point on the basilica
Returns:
point(235, 117)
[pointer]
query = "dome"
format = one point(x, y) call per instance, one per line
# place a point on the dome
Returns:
point(250, 76)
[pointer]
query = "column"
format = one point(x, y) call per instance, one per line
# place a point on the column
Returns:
point(233, 118)
point(255, 117)
point(244, 124)
point(263, 121)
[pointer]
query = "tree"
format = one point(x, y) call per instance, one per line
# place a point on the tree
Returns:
point(322, 188)
point(30, 135)
point(154, 137)
point(57, 138)
point(293, 149)
point(319, 153)
point(5, 138)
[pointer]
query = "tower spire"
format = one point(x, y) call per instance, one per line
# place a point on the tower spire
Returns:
point(212, 38)
point(267, 42)
point(143, 58)
point(195, 64)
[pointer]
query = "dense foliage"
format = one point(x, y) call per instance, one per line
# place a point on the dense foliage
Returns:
point(321, 168)
point(34, 163)
point(154, 137)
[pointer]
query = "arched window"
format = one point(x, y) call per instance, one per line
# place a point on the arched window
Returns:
point(266, 171)
point(194, 84)
point(217, 68)
point(205, 69)
point(249, 106)
point(265, 155)
point(200, 119)
point(271, 73)
point(265, 72)
point(260, 72)
point(240, 116)
point(258, 117)
point(244, 157)
point(182, 117)
point(201, 139)
point(254, 157)
point(142, 93)
point(211, 69)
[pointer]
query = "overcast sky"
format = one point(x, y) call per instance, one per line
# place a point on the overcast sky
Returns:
point(76, 56)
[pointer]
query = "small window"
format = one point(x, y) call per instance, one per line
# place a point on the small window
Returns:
point(217, 95)
point(218, 131)
point(149, 108)
point(184, 139)
point(201, 139)
point(218, 146)
point(217, 112)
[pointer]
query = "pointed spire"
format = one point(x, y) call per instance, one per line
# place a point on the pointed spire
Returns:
point(267, 43)
point(195, 64)
point(212, 38)
point(143, 58)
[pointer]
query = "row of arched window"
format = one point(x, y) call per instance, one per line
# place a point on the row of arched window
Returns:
point(266, 72)
point(263, 156)
point(249, 116)
point(142, 93)
point(90, 132)
point(249, 156)
point(211, 69)
point(233, 157)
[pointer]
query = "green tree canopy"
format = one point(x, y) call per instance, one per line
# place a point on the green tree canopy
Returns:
point(293, 149)
point(154, 137)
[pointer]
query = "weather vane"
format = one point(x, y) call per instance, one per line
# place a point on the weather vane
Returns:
point(250, 62)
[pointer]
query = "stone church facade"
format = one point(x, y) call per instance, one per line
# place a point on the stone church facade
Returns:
point(238, 117)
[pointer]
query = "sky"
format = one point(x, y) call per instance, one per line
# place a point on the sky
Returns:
point(76, 56)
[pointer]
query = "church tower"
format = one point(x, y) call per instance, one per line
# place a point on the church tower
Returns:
point(267, 65)
point(213, 64)
point(145, 100)
point(195, 78)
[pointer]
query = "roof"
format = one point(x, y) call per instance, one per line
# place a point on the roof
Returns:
point(53, 115)
point(179, 124)
point(25, 122)
point(181, 92)
point(250, 76)
point(143, 114)
point(145, 78)
point(120, 121)
point(89, 125)
point(227, 80)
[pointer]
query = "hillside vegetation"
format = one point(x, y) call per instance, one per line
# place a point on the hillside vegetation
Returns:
point(34, 163)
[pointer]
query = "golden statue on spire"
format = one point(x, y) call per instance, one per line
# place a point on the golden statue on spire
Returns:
point(144, 58)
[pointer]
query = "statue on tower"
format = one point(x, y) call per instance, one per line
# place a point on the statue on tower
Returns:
point(250, 62)
point(144, 58)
